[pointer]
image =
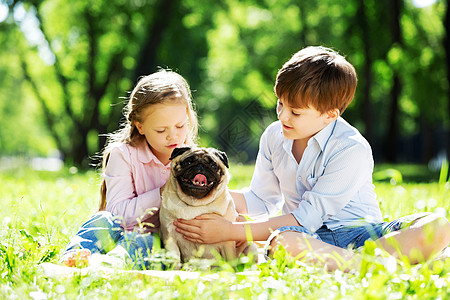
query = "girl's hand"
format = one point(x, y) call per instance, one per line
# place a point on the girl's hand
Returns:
point(205, 229)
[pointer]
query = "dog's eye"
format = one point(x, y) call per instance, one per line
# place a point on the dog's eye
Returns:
point(213, 165)
point(187, 162)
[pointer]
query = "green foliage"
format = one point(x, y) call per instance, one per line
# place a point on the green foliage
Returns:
point(409, 173)
point(66, 66)
point(392, 174)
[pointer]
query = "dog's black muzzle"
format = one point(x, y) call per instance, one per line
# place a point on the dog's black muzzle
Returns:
point(198, 180)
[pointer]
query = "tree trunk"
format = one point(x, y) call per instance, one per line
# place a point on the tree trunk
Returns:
point(147, 58)
point(447, 54)
point(426, 140)
point(391, 145)
point(391, 141)
point(366, 107)
point(303, 14)
point(80, 153)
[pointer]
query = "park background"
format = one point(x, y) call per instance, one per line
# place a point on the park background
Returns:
point(67, 67)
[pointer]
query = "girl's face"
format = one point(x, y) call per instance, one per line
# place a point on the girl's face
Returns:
point(165, 127)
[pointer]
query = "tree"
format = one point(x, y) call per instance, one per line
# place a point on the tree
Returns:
point(90, 53)
point(97, 50)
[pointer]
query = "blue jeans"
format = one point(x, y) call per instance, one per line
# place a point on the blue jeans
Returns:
point(352, 236)
point(102, 233)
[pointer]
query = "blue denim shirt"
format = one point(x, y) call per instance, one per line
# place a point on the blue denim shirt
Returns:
point(332, 184)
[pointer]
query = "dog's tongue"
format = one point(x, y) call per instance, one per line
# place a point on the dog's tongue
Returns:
point(200, 179)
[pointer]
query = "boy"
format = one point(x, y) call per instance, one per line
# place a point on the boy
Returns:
point(320, 167)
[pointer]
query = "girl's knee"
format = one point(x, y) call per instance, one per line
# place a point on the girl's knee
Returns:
point(103, 214)
point(100, 216)
point(102, 219)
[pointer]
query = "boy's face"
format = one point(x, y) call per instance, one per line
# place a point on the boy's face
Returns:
point(302, 123)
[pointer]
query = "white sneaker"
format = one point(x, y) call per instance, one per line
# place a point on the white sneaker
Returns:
point(76, 258)
point(116, 258)
point(106, 260)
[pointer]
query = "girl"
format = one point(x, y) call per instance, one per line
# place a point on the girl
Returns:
point(159, 117)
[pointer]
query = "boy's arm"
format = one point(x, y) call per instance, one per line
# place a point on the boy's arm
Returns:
point(212, 228)
point(264, 199)
point(239, 202)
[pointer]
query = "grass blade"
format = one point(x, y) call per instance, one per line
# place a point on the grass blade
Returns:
point(444, 172)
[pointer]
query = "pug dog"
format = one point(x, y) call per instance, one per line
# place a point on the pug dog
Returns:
point(197, 185)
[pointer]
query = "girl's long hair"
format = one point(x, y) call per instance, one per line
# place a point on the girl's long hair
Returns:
point(159, 87)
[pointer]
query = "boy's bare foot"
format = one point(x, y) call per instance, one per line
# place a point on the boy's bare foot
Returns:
point(76, 258)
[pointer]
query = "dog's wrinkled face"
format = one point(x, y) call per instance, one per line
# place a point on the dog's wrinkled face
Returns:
point(198, 171)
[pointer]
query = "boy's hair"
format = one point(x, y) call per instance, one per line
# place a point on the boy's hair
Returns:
point(160, 87)
point(317, 77)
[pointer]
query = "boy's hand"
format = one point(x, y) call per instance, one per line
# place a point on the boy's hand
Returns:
point(205, 229)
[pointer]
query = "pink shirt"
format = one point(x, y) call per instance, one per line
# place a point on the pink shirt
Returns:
point(133, 178)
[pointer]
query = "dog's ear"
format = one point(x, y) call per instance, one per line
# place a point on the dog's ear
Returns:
point(222, 156)
point(178, 151)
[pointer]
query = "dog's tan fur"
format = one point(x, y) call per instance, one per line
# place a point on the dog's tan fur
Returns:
point(176, 204)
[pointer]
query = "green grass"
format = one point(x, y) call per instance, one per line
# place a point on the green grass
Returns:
point(411, 172)
point(41, 211)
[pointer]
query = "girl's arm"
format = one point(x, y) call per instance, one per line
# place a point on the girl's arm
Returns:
point(122, 199)
point(212, 228)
